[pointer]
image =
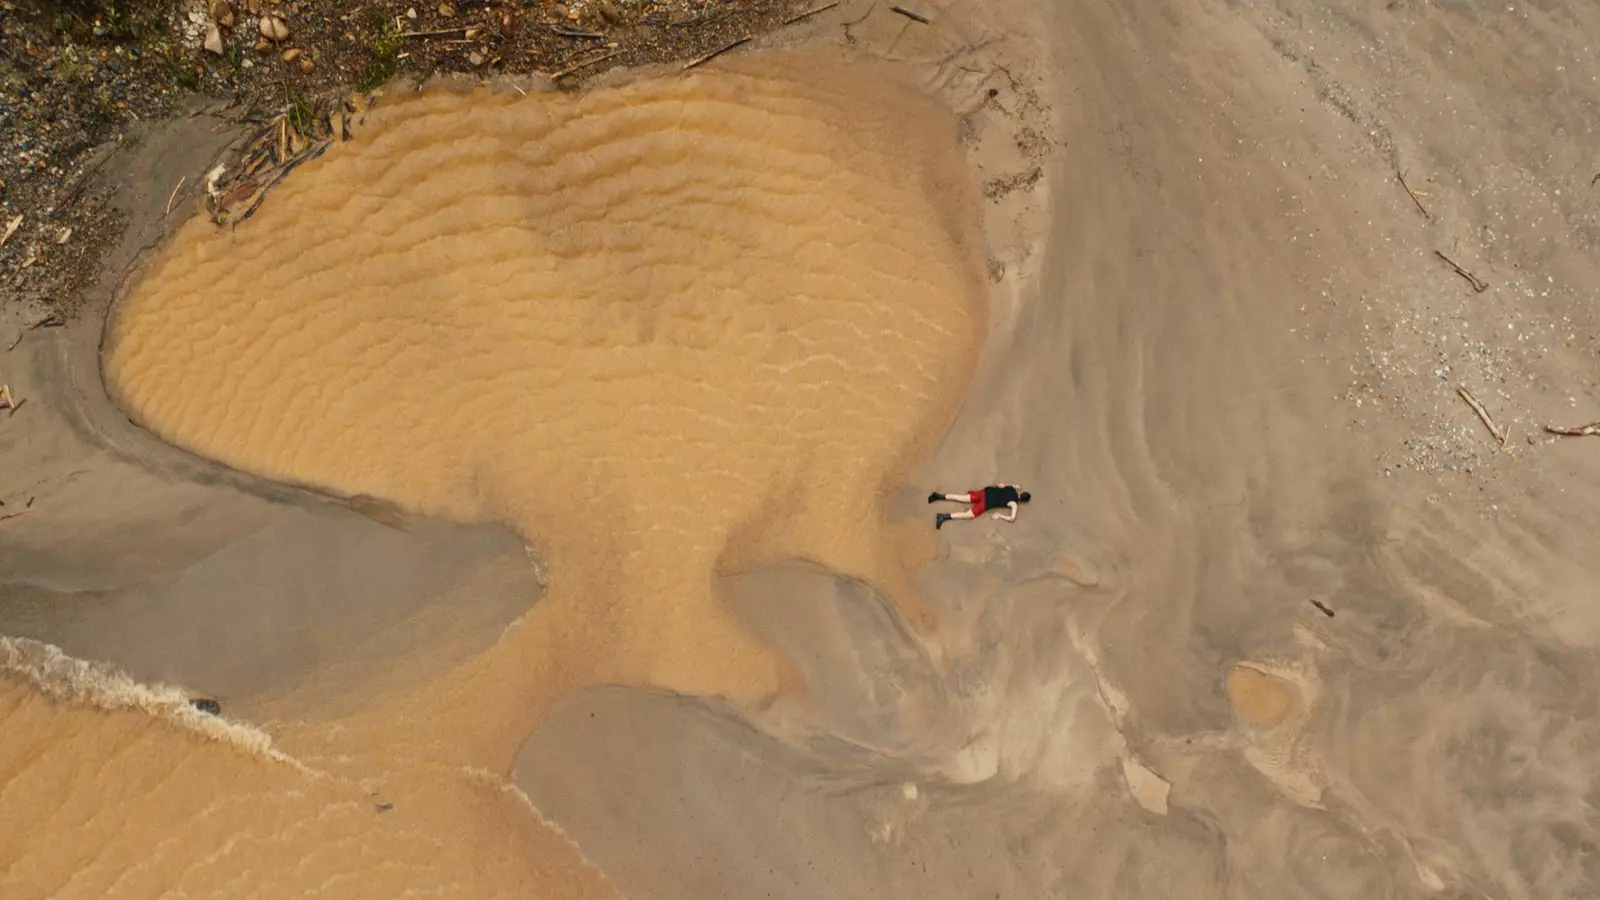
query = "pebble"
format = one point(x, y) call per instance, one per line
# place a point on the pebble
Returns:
point(274, 28)
point(213, 43)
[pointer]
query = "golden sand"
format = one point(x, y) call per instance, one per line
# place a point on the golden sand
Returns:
point(1260, 699)
point(664, 330)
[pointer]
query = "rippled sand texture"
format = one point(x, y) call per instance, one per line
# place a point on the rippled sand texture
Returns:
point(665, 329)
point(637, 324)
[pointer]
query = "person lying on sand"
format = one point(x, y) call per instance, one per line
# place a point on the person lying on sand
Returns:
point(994, 497)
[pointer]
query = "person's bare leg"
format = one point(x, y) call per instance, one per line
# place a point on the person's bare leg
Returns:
point(941, 518)
point(953, 498)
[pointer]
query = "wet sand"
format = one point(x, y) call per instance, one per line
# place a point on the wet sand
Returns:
point(1219, 350)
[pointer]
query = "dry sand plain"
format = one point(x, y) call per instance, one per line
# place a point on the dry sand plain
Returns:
point(1187, 303)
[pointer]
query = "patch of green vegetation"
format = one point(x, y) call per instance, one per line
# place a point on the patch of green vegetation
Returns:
point(301, 114)
point(72, 66)
point(105, 104)
point(384, 44)
point(186, 77)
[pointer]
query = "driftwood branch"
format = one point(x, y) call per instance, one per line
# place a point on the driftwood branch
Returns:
point(1579, 431)
point(565, 31)
point(1478, 284)
point(1400, 177)
point(584, 65)
point(174, 195)
point(1483, 414)
point(811, 12)
point(715, 53)
point(406, 34)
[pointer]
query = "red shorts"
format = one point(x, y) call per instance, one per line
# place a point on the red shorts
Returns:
point(976, 499)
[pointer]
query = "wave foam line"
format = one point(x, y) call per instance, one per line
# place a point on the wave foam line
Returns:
point(80, 682)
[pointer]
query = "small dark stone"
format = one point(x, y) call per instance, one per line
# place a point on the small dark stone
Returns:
point(207, 706)
point(994, 92)
point(383, 807)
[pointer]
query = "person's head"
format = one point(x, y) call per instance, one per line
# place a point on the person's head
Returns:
point(1024, 496)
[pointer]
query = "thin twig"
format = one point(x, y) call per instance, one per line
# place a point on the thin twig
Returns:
point(1478, 284)
point(715, 53)
point(20, 512)
point(1400, 177)
point(16, 406)
point(1579, 431)
point(406, 34)
point(863, 18)
point(811, 12)
point(259, 194)
point(1483, 414)
point(565, 31)
point(910, 15)
point(174, 195)
point(50, 321)
point(1325, 610)
point(703, 20)
point(584, 65)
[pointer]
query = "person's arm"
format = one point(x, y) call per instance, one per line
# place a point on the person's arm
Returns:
point(1011, 518)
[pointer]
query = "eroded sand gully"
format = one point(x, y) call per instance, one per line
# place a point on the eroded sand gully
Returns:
point(667, 329)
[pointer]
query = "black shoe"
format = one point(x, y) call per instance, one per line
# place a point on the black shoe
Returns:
point(935, 497)
point(939, 520)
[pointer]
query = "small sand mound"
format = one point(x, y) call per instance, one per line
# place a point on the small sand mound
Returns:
point(1260, 699)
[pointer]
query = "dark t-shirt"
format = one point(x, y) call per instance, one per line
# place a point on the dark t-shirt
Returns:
point(998, 497)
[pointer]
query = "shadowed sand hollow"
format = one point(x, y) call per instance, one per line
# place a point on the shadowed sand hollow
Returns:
point(665, 330)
